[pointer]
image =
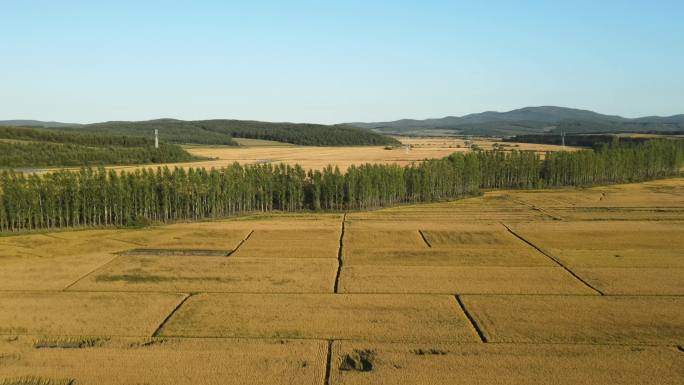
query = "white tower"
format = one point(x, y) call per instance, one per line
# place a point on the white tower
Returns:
point(156, 138)
point(563, 138)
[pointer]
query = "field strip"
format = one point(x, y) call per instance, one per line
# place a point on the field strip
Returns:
point(536, 208)
point(441, 293)
point(360, 363)
point(322, 316)
point(240, 244)
point(161, 325)
point(129, 242)
point(422, 235)
point(474, 324)
point(631, 320)
point(69, 313)
point(551, 257)
point(460, 280)
point(91, 272)
point(145, 360)
point(392, 342)
point(339, 255)
point(53, 236)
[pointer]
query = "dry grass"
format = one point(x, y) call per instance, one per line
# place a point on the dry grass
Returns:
point(196, 361)
point(75, 314)
point(509, 364)
point(324, 316)
point(579, 319)
point(213, 274)
point(460, 280)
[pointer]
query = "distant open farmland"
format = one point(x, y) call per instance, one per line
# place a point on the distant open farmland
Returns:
point(311, 158)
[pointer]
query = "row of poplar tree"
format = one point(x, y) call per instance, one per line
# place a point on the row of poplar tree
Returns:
point(99, 197)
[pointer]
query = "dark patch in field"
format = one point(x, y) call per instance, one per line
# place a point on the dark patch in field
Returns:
point(359, 360)
point(148, 342)
point(68, 343)
point(148, 278)
point(177, 252)
point(32, 380)
point(431, 352)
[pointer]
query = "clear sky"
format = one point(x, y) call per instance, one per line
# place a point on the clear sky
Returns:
point(336, 61)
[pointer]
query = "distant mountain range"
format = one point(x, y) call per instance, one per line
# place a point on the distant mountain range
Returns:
point(528, 120)
point(36, 123)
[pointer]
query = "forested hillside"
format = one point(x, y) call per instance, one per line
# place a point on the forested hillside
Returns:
point(100, 197)
point(221, 132)
point(529, 120)
point(27, 147)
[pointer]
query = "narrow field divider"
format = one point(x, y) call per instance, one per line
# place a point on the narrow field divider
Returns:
point(115, 257)
point(168, 317)
point(558, 262)
point(422, 235)
point(240, 244)
point(472, 321)
point(339, 256)
point(328, 364)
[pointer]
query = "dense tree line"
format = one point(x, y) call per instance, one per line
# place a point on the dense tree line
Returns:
point(96, 197)
point(40, 154)
point(30, 147)
point(223, 131)
point(579, 140)
point(58, 136)
point(299, 133)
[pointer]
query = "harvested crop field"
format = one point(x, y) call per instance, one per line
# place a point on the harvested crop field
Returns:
point(560, 286)
point(253, 151)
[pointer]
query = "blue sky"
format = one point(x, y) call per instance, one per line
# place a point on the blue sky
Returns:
point(325, 61)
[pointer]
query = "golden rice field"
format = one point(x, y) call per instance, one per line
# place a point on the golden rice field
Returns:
point(568, 286)
point(255, 151)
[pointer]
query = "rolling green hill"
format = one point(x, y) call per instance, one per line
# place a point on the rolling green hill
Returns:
point(222, 132)
point(32, 147)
